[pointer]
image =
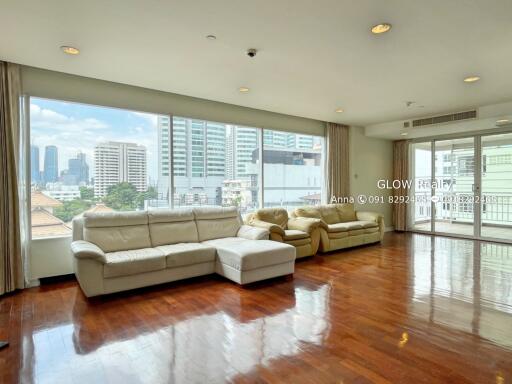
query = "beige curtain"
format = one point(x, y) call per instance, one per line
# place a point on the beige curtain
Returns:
point(11, 262)
point(400, 172)
point(337, 162)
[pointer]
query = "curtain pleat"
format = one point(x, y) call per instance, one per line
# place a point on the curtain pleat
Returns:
point(337, 162)
point(11, 262)
point(400, 172)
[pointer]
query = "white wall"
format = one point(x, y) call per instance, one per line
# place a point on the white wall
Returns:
point(50, 257)
point(371, 159)
point(57, 85)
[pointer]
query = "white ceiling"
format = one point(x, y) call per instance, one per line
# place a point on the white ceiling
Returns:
point(314, 56)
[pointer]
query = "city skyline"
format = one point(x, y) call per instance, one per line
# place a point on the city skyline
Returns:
point(75, 127)
point(101, 147)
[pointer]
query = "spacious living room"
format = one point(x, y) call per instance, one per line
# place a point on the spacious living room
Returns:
point(255, 192)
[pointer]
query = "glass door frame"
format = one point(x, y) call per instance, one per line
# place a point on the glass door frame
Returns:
point(477, 190)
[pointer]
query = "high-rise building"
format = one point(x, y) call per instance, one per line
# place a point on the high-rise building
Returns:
point(241, 142)
point(51, 164)
point(35, 171)
point(199, 156)
point(275, 139)
point(300, 141)
point(116, 162)
point(78, 170)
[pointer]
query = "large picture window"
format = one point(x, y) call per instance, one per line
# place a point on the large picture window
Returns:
point(88, 158)
point(292, 168)
point(214, 164)
point(92, 158)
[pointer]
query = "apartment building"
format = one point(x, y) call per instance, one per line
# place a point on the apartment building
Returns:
point(117, 162)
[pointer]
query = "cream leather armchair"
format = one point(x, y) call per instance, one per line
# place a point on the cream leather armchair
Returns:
point(301, 232)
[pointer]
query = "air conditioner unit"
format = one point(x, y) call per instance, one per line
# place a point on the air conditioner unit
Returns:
point(443, 119)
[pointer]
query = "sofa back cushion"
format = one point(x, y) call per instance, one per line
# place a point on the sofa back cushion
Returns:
point(216, 223)
point(346, 212)
point(277, 216)
point(172, 226)
point(311, 212)
point(330, 214)
point(117, 231)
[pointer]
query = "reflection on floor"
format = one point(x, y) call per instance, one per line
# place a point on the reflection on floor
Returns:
point(464, 285)
point(467, 229)
point(416, 309)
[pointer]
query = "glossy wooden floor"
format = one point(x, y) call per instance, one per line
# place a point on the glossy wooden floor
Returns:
point(416, 309)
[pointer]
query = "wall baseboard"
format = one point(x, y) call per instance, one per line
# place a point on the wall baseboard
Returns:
point(33, 283)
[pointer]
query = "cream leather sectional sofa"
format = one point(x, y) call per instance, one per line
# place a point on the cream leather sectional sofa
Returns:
point(125, 250)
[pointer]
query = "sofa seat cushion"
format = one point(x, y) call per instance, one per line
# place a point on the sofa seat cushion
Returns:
point(223, 241)
point(247, 255)
point(368, 224)
point(294, 234)
point(181, 254)
point(350, 226)
point(299, 242)
point(371, 230)
point(337, 235)
point(344, 227)
point(356, 232)
point(131, 262)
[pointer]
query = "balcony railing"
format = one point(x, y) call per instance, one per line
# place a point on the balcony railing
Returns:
point(458, 207)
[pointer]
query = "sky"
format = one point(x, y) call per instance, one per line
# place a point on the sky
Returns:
point(74, 127)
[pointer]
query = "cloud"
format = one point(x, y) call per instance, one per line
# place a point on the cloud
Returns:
point(72, 134)
point(150, 117)
point(46, 118)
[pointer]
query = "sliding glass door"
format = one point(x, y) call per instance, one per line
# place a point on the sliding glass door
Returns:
point(454, 186)
point(421, 212)
point(496, 205)
point(463, 186)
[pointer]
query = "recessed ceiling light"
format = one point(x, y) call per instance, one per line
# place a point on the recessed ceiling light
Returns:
point(70, 50)
point(211, 37)
point(502, 121)
point(404, 134)
point(381, 28)
point(244, 89)
point(471, 79)
point(339, 110)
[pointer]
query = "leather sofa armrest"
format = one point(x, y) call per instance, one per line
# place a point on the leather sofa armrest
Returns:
point(373, 216)
point(304, 224)
point(253, 233)
point(85, 250)
point(271, 227)
point(368, 216)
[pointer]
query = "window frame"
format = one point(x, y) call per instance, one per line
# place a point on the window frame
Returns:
point(25, 143)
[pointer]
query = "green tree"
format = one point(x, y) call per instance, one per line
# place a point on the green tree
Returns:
point(151, 193)
point(86, 193)
point(70, 209)
point(122, 197)
point(237, 201)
